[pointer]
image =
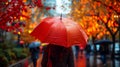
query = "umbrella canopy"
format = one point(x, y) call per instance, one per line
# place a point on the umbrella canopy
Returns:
point(103, 42)
point(63, 32)
point(34, 44)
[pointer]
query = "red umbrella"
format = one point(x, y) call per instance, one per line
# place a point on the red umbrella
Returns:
point(64, 32)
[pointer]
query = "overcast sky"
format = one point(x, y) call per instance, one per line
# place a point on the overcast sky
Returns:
point(62, 6)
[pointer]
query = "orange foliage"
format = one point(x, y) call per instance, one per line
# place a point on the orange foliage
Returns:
point(94, 15)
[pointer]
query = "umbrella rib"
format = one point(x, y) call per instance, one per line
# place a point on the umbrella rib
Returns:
point(83, 32)
point(66, 34)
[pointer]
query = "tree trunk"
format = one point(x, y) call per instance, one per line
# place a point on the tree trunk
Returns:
point(113, 48)
point(93, 40)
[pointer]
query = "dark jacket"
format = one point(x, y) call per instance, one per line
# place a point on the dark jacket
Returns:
point(35, 52)
point(59, 56)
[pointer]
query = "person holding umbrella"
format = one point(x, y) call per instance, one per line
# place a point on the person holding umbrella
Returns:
point(77, 49)
point(61, 34)
point(57, 56)
point(34, 50)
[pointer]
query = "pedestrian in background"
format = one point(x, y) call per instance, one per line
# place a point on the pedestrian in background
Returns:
point(88, 50)
point(77, 49)
point(81, 51)
point(103, 54)
point(35, 55)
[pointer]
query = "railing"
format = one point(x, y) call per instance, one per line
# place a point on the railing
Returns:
point(23, 63)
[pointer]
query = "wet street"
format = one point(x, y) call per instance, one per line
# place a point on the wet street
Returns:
point(89, 61)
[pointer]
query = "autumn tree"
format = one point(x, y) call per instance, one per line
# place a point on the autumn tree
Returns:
point(80, 13)
point(107, 10)
point(12, 13)
point(104, 11)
